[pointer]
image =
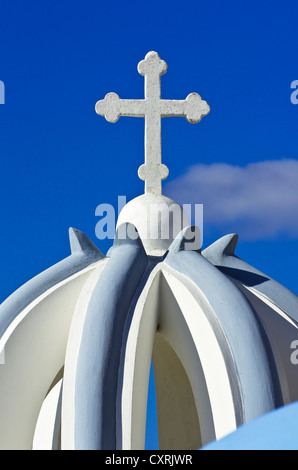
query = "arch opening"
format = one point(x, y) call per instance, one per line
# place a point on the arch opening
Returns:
point(177, 419)
point(194, 398)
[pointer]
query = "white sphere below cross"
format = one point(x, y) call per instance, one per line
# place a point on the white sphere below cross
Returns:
point(157, 218)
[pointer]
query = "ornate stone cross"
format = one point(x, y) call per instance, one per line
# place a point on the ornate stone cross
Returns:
point(152, 108)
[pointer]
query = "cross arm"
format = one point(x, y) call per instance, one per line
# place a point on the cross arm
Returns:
point(112, 107)
point(193, 108)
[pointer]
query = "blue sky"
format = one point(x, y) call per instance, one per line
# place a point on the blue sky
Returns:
point(59, 160)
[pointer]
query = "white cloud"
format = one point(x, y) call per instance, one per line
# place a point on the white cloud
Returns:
point(257, 201)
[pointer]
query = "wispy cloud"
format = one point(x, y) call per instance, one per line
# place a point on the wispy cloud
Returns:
point(257, 201)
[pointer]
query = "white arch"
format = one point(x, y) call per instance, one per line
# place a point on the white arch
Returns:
point(167, 304)
point(47, 430)
point(71, 357)
point(134, 374)
point(34, 344)
point(185, 325)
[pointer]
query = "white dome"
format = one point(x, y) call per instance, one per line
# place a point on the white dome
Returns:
point(158, 220)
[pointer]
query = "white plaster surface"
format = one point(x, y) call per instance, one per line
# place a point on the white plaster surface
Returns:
point(174, 400)
point(47, 430)
point(208, 353)
point(158, 220)
point(281, 331)
point(35, 345)
point(72, 351)
point(136, 368)
point(166, 303)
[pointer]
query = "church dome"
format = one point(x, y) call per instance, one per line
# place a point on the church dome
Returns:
point(76, 341)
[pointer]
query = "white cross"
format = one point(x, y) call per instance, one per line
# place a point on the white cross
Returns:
point(152, 108)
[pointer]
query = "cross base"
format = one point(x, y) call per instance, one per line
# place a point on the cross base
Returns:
point(153, 174)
